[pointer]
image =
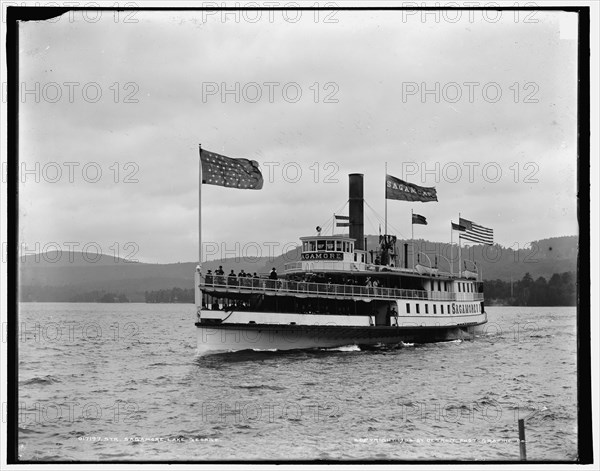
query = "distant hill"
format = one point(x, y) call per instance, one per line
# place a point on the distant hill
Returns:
point(541, 258)
point(67, 278)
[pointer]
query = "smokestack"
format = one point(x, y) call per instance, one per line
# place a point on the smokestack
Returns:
point(356, 209)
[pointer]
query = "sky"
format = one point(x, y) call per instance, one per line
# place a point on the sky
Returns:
point(114, 106)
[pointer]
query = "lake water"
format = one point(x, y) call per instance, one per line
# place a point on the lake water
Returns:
point(122, 382)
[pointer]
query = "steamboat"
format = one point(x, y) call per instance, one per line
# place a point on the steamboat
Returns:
point(339, 294)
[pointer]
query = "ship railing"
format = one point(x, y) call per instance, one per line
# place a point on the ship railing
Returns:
point(262, 285)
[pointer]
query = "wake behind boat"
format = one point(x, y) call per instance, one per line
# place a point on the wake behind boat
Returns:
point(335, 295)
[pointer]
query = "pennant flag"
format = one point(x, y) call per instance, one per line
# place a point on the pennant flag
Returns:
point(343, 218)
point(476, 233)
point(458, 227)
point(418, 219)
point(396, 189)
point(233, 173)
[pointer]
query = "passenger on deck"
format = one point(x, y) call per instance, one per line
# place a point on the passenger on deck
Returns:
point(273, 274)
point(254, 276)
point(231, 278)
point(220, 280)
point(209, 278)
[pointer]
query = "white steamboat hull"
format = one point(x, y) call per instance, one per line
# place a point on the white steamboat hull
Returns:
point(227, 337)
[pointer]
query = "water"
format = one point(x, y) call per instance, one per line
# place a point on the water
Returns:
point(122, 382)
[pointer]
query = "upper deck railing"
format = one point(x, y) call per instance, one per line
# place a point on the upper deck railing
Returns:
point(328, 290)
point(335, 265)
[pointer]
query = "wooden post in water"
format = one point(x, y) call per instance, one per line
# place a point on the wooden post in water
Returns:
point(522, 449)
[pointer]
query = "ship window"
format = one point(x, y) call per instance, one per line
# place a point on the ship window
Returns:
point(320, 245)
point(426, 308)
point(434, 309)
point(330, 245)
point(311, 246)
point(338, 245)
point(442, 308)
point(408, 308)
point(418, 308)
point(439, 286)
point(355, 257)
point(448, 308)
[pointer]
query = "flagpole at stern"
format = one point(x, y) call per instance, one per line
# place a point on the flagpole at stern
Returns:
point(412, 236)
point(459, 250)
point(451, 250)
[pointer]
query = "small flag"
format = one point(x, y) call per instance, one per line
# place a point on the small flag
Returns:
point(342, 218)
point(476, 233)
point(458, 227)
point(396, 189)
point(418, 219)
point(232, 173)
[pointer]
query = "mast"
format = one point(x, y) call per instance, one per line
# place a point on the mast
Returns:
point(385, 198)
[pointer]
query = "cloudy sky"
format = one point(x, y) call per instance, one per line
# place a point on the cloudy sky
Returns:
point(113, 107)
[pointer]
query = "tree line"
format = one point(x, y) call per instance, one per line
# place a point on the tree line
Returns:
point(560, 290)
point(173, 295)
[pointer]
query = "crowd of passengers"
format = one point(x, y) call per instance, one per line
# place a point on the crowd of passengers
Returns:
point(241, 279)
point(272, 281)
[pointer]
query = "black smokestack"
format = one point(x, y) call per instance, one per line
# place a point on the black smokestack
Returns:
point(356, 210)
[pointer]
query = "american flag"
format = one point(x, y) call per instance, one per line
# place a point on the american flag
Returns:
point(232, 173)
point(475, 233)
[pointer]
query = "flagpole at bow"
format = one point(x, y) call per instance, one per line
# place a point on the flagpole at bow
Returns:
point(197, 292)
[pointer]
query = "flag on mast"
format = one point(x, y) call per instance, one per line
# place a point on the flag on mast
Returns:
point(232, 173)
point(418, 219)
point(458, 227)
point(396, 189)
point(475, 233)
point(342, 218)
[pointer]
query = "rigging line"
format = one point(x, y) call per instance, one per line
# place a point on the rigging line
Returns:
point(379, 218)
point(389, 224)
point(371, 222)
point(331, 220)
